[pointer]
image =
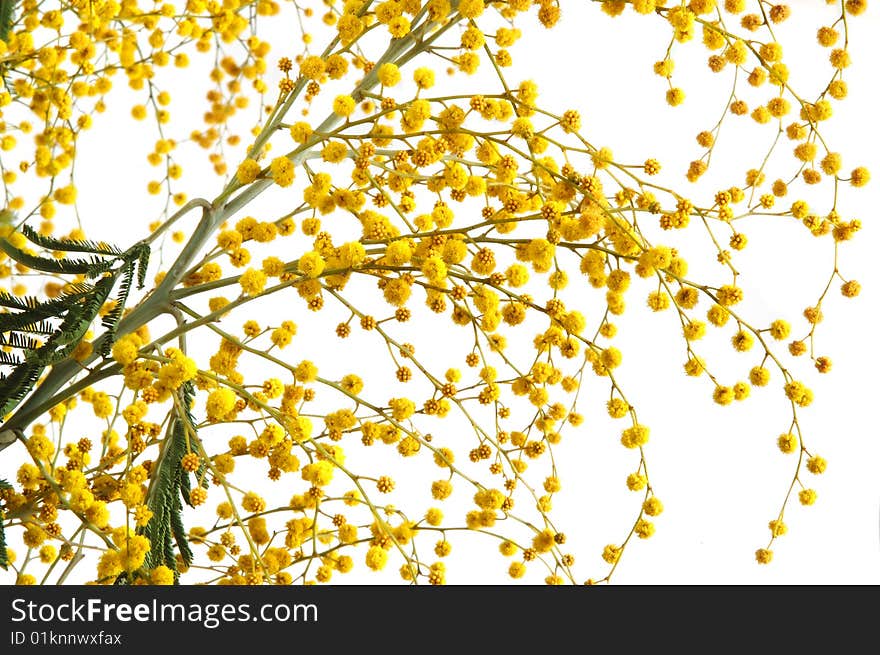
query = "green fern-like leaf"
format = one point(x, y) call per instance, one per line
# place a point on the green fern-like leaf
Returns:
point(7, 17)
point(111, 320)
point(74, 326)
point(21, 325)
point(19, 321)
point(4, 554)
point(76, 317)
point(16, 302)
point(19, 341)
point(9, 359)
point(164, 501)
point(91, 267)
point(43, 327)
point(169, 490)
point(15, 386)
point(69, 245)
point(63, 320)
point(143, 258)
point(47, 307)
point(179, 533)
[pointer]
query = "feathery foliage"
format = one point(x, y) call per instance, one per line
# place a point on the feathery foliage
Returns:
point(7, 13)
point(170, 488)
point(4, 556)
point(69, 245)
point(65, 319)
